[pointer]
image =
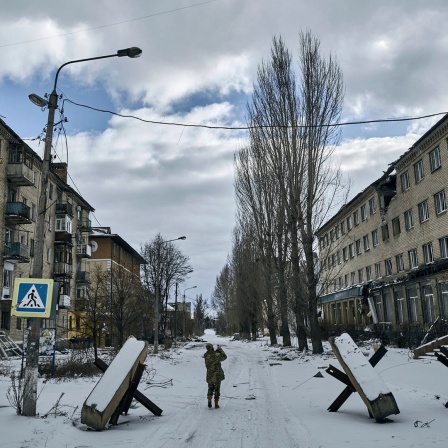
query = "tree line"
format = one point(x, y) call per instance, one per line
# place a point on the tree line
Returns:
point(286, 184)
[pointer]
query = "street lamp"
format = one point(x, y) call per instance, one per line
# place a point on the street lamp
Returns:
point(183, 310)
point(156, 304)
point(32, 358)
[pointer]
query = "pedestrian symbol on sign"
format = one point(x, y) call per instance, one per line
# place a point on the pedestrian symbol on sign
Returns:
point(32, 297)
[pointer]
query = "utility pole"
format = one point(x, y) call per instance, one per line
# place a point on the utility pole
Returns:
point(184, 311)
point(156, 304)
point(32, 356)
point(175, 316)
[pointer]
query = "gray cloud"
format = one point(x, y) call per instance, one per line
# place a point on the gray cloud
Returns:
point(145, 178)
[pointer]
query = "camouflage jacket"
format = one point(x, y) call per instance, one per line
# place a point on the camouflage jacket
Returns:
point(213, 364)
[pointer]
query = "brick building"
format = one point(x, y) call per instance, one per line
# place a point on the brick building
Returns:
point(384, 256)
point(67, 229)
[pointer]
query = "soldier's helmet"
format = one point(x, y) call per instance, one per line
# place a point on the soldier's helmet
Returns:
point(209, 346)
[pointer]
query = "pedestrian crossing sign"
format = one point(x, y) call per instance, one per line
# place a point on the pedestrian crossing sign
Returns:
point(32, 297)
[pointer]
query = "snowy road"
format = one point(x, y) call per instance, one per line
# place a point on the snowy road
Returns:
point(271, 397)
point(250, 415)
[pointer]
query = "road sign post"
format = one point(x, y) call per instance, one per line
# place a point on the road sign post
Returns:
point(32, 299)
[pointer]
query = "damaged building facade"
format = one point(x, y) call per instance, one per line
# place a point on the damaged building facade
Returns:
point(384, 256)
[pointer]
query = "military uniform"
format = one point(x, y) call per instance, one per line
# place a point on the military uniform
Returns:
point(215, 374)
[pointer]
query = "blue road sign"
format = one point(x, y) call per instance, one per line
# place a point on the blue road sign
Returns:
point(32, 297)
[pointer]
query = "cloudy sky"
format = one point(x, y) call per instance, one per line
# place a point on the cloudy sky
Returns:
point(198, 66)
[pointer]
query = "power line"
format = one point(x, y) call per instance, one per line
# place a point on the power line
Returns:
point(246, 128)
point(109, 24)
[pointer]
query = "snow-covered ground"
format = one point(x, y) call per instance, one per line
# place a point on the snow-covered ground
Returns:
point(271, 397)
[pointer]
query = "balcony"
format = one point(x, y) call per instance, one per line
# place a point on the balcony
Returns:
point(63, 269)
point(17, 213)
point(63, 238)
point(84, 250)
point(64, 302)
point(21, 175)
point(82, 277)
point(85, 225)
point(16, 252)
point(64, 209)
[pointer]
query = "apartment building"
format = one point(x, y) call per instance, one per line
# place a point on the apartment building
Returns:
point(384, 256)
point(112, 260)
point(66, 247)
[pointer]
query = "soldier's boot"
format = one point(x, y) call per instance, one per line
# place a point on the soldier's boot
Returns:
point(216, 404)
point(209, 398)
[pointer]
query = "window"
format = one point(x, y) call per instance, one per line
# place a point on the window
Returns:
point(375, 238)
point(341, 283)
point(7, 278)
point(363, 213)
point(63, 224)
point(353, 278)
point(365, 239)
point(377, 270)
point(6, 320)
point(400, 262)
point(399, 306)
point(33, 211)
point(351, 250)
point(336, 232)
point(413, 261)
point(385, 232)
point(378, 306)
point(347, 283)
point(333, 260)
point(339, 256)
point(358, 247)
point(388, 266)
point(411, 294)
point(405, 184)
point(428, 305)
point(408, 219)
point(344, 254)
point(361, 275)
point(440, 202)
point(396, 226)
point(322, 243)
point(49, 223)
point(444, 296)
point(342, 227)
point(356, 217)
point(31, 247)
point(369, 273)
point(443, 247)
point(388, 306)
point(48, 255)
point(50, 192)
point(331, 236)
point(349, 223)
point(418, 171)
point(434, 159)
point(428, 255)
point(372, 207)
point(423, 211)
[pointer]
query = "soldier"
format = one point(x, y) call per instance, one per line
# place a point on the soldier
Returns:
point(215, 374)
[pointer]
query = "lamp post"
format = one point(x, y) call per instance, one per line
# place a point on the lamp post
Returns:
point(32, 358)
point(183, 310)
point(156, 304)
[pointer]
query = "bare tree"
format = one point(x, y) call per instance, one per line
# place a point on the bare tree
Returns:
point(221, 300)
point(165, 266)
point(200, 308)
point(127, 303)
point(292, 131)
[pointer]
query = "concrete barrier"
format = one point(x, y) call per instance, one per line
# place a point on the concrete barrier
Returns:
point(113, 385)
